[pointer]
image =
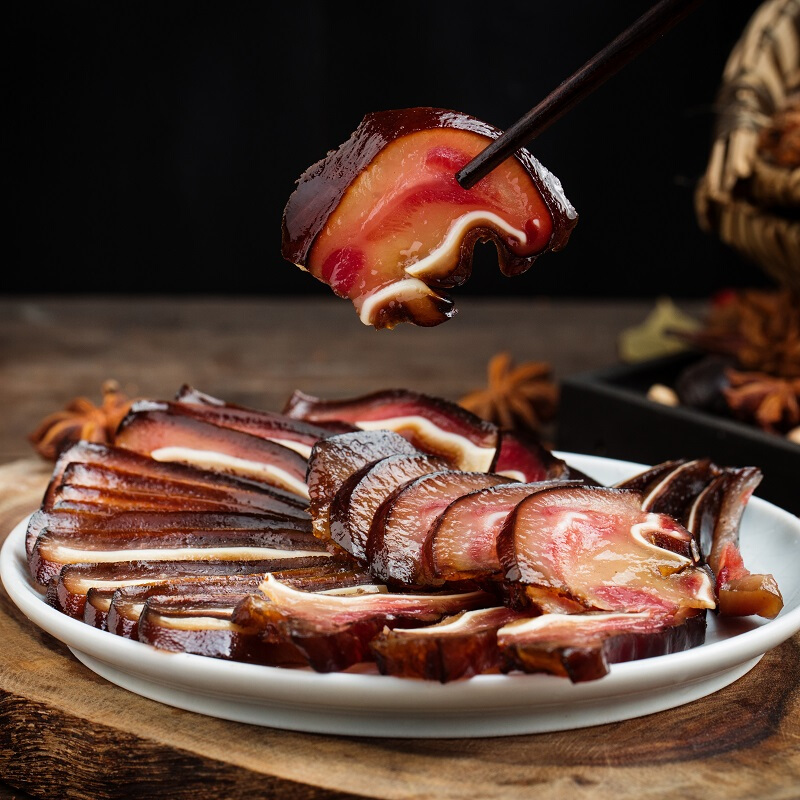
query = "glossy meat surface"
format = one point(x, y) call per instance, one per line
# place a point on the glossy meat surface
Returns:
point(396, 551)
point(432, 424)
point(384, 223)
point(596, 546)
point(152, 429)
point(335, 459)
point(357, 501)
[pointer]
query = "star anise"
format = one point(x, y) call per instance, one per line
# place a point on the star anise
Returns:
point(81, 419)
point(771, 403)
point(760, 329)
point(522, 396)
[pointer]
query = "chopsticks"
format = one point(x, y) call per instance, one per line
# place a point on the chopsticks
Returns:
point(632, 41)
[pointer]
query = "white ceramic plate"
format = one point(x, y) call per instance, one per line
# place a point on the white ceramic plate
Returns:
point(486, 705)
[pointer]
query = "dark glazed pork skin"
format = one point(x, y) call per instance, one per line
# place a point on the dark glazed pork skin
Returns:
point(716, 519)
point(396, 551)
point(68, 591)
point(79, 524)
point(334, 632)
point(355, 504)
point(90, 464)
point(432, 424)
point(335, 459)
point(292, 433)
point(456, 647)
point(397, 169)
point(233, 495)
point(52, 551)
point(126, 602)
point(675, 494)
point(205, 627)
point(581, 646)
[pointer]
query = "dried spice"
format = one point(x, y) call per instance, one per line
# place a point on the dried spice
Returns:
point(769, 402)
point(760, 329)
point(524, 396)
point(81, 420)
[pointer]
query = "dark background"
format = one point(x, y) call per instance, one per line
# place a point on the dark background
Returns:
point(153, 146)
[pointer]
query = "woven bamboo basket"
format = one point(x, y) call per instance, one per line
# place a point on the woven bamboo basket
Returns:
point(748, 197)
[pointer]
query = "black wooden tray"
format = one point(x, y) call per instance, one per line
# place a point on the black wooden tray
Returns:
point(606, 412)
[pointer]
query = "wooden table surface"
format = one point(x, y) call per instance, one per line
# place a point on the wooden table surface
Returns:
point(64, 732)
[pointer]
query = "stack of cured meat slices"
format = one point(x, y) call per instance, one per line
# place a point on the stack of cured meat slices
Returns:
point(395, 528)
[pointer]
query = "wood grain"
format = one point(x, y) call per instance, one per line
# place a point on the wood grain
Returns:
point(66, 732)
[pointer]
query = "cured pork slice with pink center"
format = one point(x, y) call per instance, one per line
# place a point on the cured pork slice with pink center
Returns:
point(716, 519)
point(334, 630)
point(151, 428)
point(462, 543)
point(581, 646)
point(292, 433)
point(457, 647)
point(383, 221)
point(597, 547)
point(335, 459)
point(431, 424)
point(356, 502)
point(396, 551)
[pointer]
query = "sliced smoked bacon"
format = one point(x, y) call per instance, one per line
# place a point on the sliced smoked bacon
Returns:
point(292, 433)
point(431, 424)
point(462, 542)
point(105, 467)
point(357, 500)
point(194, 580)
point(383, 221)
point(716, 520)
point(74, 538)
point(396, 551)
point(334, 631)
point(335, 459)
point(68, 591)
point(155, 430)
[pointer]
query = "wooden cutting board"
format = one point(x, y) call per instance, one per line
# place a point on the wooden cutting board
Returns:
point(66, 733)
